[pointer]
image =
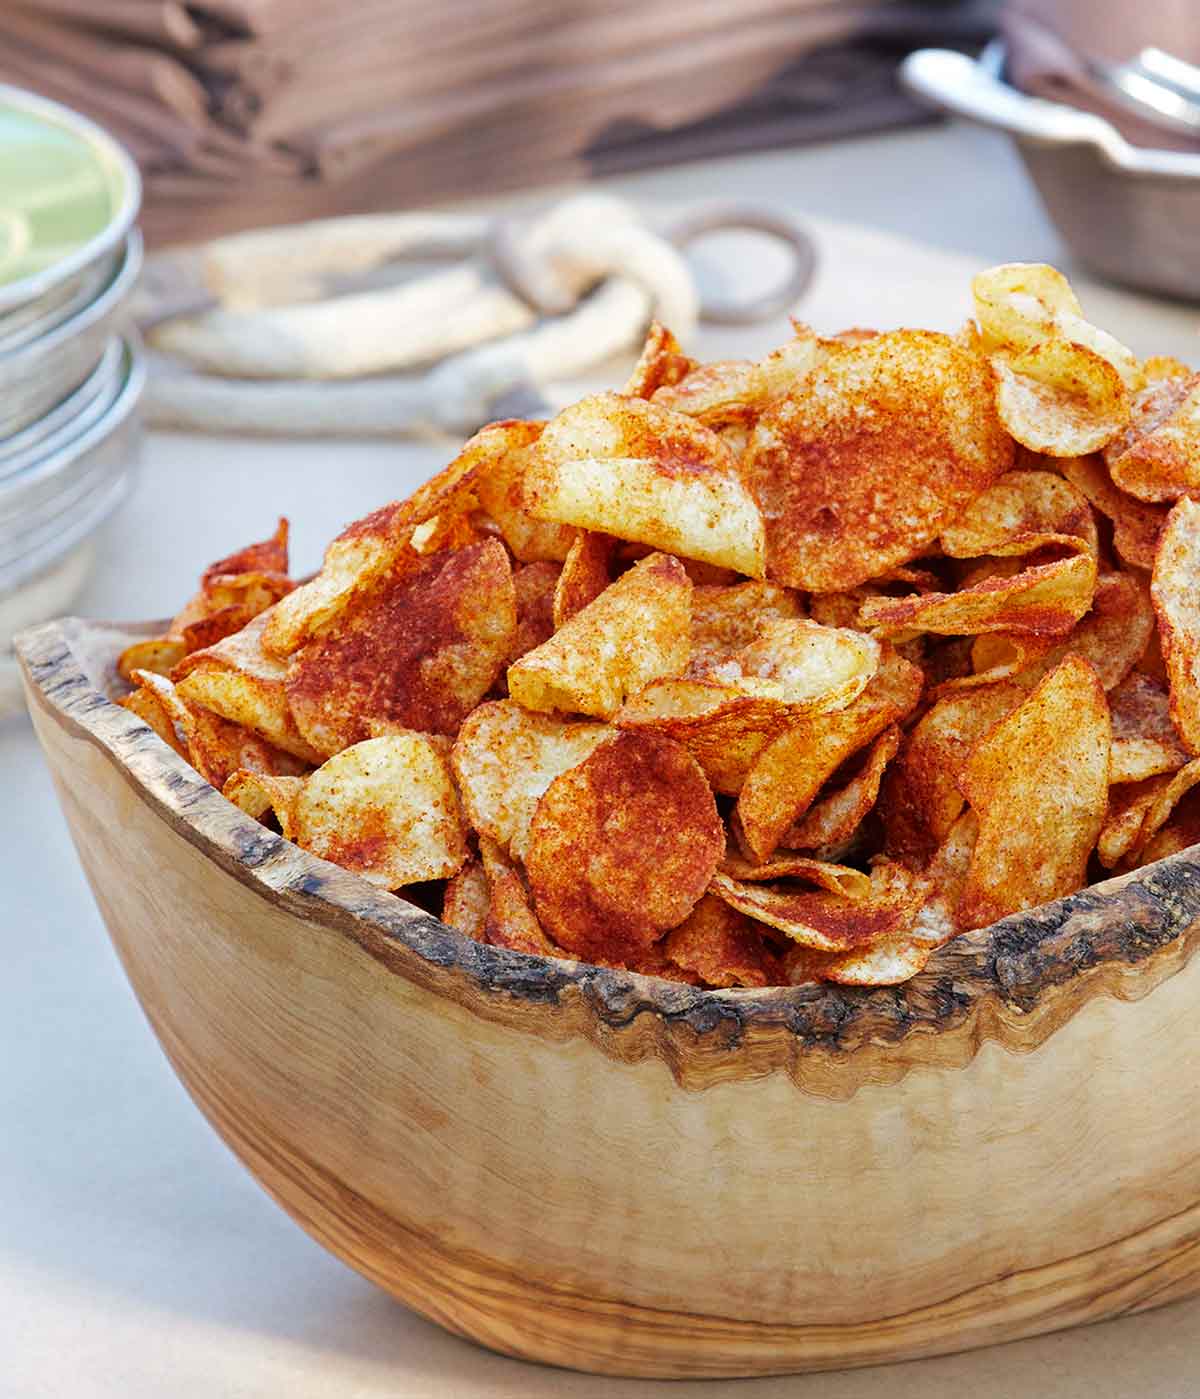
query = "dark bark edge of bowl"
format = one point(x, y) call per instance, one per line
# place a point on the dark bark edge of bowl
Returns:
point(1014, 982)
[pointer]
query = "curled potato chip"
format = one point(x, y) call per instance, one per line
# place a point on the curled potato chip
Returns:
point(511, 921)
point(504, 451)
point(920, 800)
point(1145, 742)
point(214, 746)
point(1157, 456)
point(1042, 599)
point(789, 864)
point(726, 618)
point(634, 632)
point(150, 709)
point(737, 391)
point(792, 768)
point(661, 363)
point(1136, 525)
point(504, 758)
point(466, 900)
point(832, 820)
point(1038, 781)
point(872, 456)
point(622, 846)
point(587, 571)
point(1175, 588)
point(1017, 514)
point(1060, 398)
point(157, 654)
point(1166, 793)
point(887, 962)
point(799, 662)
point(238, 680)
point(1128, 803)
point(384, 808)
point(258, 792)
point(1181, 832)
point(827, 921)
point(418, 651)
point(633, 469)
point(534, 586)
point(721, 946)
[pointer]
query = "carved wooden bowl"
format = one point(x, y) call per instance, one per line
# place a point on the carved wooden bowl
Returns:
point(620, 1174)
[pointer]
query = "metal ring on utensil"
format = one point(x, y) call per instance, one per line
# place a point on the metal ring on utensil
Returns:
point(740, 218)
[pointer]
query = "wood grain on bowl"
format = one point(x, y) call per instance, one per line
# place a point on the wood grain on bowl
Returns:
point(618, 1174)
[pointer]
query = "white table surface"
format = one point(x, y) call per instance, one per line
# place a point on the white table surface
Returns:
point(137, 1258)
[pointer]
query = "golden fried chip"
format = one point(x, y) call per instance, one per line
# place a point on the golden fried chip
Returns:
point(419, 651)
point(623, 846)
point(634, 632)
point(504, 758)
point(1175, 588)
point(641, 472)
point(832, 820)
point(587, 571)
point(534, 585)
point(828, 921)
point(735, 392)
point(238, 680)
point(259, 792)
point(1049, 594)
point(157, 654)
point(150, 709)
point(1060, 398)
point(801, 663)
point(1145, 742)
point(1157, 456)
point(872, 456)
point(1136, 525)
point(1128, 803)
point(887, 962)
point(789, 864)
point(661, 362)
point(505, 451)
point(384, 808)
point(1167, 791)
point(510, 921)
point(466, 900)
point(1038, 781)
point(792, 768)
point(267, 556)
point(722, 947)
point(921, 800)
point(726, 618)
point(1017, 514)
point(1181, 832)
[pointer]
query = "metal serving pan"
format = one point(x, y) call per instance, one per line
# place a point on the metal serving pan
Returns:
point(71, 196)
point(1131, 213)
point(61, 497)
point(39, 375)
point(69, 418)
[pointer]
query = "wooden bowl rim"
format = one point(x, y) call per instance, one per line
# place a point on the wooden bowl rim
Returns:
point(1014, 982)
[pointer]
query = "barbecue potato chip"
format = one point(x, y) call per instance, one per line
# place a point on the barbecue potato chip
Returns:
point(641, 472)
point(635, 631)
point(790, 864)
point(832, 820)
point(1020, 512)
point(1038, 781)
point(872, 456)
point(921, 800)
point(623, 846)
point(726, 618)
point(1180, 833)
point(1043, 599)
point(1157, 456)
point(586, 572)
point(1128, 803)
point(792, 769)
point(800, 662)
point(737, 391)
point(1175, 588)
point(384, 808)
point(466, 900)
point(534, 585)
point(259, 792)
point(661, 363)
point(1145, 742)
point(238, 680)
point(1060, 398)
point(886, 963)
point(157, 654)
point(504, 758)
point(150, 709)
point(721, 946)
point(505, 450)
point(510, 921)
point(1136, 525)
point(829, 921)
point(418, 651)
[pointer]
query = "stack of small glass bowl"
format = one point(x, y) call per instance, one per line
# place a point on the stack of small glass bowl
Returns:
point(71, 369)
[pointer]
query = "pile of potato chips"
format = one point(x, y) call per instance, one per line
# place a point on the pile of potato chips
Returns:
point(753, 673)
